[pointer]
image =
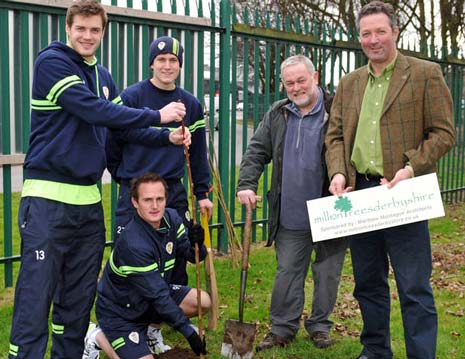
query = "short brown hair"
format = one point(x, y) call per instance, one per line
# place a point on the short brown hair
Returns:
point(86, 8)
point(148, 177)
point(378, 7)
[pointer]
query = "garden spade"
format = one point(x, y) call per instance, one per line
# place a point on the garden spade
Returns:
point(239, 336)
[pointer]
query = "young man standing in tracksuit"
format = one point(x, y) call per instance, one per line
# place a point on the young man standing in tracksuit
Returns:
point(60, 215)
point(133, 152)
point(135, 288)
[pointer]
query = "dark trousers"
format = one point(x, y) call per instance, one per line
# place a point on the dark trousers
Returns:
point(293, 254)
point(177, 199)
point(408, 249)
point(61, 254)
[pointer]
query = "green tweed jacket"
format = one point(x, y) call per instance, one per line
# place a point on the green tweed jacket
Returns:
point(416, 123)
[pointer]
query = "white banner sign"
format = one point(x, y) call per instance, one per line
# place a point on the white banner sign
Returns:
point(409, 201)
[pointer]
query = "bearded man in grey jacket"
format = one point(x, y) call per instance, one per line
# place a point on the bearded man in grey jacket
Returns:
point(291, 135)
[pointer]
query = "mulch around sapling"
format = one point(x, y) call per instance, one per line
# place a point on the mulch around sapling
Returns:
point(177, 353)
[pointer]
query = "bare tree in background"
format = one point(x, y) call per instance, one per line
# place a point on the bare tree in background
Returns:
point(452, 24)
point(422, 18)
point(449, 17)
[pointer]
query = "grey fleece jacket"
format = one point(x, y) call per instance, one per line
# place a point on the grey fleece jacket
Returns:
point(267, 145)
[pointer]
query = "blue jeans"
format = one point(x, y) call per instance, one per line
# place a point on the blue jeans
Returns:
point(408, 249)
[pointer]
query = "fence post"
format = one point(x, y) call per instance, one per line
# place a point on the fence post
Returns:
point(224, 123)
point(6, 144)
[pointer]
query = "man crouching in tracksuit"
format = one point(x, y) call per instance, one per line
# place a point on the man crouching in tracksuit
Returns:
point(134, 289)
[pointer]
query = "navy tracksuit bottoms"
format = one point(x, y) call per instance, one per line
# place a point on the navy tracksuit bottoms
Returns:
point(61, 254)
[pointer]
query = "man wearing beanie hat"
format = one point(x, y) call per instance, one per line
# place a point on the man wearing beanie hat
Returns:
point(133, 153)
point(166, 45)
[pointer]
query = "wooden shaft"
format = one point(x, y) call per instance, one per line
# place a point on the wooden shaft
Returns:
point(189, 178)
point(196, 246)
point(247, 232)
point(246, 242)
point(210, 275)
point(199, 292)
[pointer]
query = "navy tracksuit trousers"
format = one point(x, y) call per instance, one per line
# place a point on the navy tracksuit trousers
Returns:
point(61, 254)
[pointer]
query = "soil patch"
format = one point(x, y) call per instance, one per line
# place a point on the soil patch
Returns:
point(177, 353)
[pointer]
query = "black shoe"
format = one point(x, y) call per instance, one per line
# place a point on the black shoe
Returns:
point(321, 339)
point(272, 340)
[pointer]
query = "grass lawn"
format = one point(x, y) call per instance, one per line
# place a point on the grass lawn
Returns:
point(448, 243)
point(448, 280)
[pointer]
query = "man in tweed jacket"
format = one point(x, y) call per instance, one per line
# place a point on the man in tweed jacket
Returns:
point(390, 120)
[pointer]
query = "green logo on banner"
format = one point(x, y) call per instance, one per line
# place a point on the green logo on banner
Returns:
point(343, 204)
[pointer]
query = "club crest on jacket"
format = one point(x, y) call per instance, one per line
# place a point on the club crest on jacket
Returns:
point(169, 247)
point(106, 92)
point(134, 337)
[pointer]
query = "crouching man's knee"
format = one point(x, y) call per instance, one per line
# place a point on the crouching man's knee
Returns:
point(189, 304)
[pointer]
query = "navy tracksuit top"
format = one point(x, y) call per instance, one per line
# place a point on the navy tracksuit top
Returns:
point(135, 279)
point(133, 152)
point(71, 106)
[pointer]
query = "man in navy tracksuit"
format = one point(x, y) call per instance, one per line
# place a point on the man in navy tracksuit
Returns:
point(60, 215)
point(133, 152)
point(134, 290)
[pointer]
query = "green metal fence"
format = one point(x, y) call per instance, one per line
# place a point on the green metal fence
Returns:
point(231, 64)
